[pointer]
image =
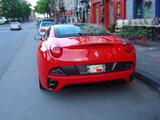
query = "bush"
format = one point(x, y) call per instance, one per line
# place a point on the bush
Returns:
point(2, 23)
point(134, 32)
point(111, 28)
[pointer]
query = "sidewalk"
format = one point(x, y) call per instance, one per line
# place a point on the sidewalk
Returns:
point(148, 63)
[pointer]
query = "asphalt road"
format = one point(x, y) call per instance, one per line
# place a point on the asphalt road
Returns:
point(21, 98)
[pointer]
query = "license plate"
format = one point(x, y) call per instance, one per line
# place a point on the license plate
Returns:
point(96, 68)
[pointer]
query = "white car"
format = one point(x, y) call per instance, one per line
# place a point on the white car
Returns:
point(44, 25)
point(3, 20)
point(15, 26)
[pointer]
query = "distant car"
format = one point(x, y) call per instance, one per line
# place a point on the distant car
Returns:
point(15, 26)
point(43, 20)
point(44, 25)
point(47, 19)
point(83, 53)
point(3, 20)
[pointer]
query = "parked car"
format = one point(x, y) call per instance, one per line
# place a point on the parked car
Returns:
point(3, 20)
point(15, 26)
point(43, 20)
point(47, 19)
point(83, 53)
point(44, 25)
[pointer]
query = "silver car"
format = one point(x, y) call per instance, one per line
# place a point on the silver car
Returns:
point(15, 26)
point(44, 25)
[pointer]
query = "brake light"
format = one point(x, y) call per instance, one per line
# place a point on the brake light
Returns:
point(56, 51)
point(129, 47)
point(43, 30)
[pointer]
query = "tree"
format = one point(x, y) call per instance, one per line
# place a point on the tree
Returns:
point(15, 9)
point(42, 6)
point(25, 9)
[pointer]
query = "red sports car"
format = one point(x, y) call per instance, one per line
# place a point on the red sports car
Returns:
point(83, 53)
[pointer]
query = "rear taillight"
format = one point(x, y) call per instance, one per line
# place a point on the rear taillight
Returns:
point(43, 30)
point(129, 47)
point(56, 51)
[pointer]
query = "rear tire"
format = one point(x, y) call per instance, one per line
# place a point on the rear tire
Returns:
point(40, 85)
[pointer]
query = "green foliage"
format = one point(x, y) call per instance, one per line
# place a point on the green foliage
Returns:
point(2, 23)
point(15, 8)
point(111, 28)
point(42, 6)
point(134, 31)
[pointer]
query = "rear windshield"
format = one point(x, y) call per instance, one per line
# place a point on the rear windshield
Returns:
point(47, 24)
point(80, 30)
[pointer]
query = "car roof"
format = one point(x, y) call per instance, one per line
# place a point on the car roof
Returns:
point(46, 21)
point(70, 24)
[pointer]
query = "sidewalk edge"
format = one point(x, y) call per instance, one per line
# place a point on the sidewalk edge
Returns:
point(148, 80)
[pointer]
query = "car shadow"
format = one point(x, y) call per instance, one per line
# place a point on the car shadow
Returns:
point(111, 87)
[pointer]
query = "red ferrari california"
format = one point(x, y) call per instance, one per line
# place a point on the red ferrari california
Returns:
point(83, 53)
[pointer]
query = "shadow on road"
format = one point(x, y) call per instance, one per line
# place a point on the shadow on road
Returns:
point(94, 88)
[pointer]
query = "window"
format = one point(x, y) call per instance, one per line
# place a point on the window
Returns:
point(46, 35)
point(80, 30)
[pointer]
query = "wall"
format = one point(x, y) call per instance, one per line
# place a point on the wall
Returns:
point(157, 5)
point(149, 12)
point(129, 9)
point(96, 11)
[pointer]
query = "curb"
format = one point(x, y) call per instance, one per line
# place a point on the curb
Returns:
point(148, 79)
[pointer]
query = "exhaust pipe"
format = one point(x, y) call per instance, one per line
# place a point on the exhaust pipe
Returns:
point(52, 83)
point(132, 77)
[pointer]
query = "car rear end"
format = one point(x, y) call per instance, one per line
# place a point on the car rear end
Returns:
point(44, 25)
point(15, 26)
point(87, 63)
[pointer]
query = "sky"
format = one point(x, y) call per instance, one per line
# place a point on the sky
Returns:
point(33, 2)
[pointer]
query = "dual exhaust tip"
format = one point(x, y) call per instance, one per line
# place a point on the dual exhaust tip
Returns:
point(132, 77)
point(52, 83)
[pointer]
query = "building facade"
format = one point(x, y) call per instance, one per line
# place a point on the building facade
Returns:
point(83, 10)
point(106, 12)
point(70, 13)
point(72, 10)
point(143, 8)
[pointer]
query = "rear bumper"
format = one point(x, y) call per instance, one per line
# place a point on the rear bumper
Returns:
point(83, 57)
point(15, 28)
point(41, 33)
point(82, 79)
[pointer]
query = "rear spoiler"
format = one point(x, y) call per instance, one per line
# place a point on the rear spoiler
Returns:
point(94, 44)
